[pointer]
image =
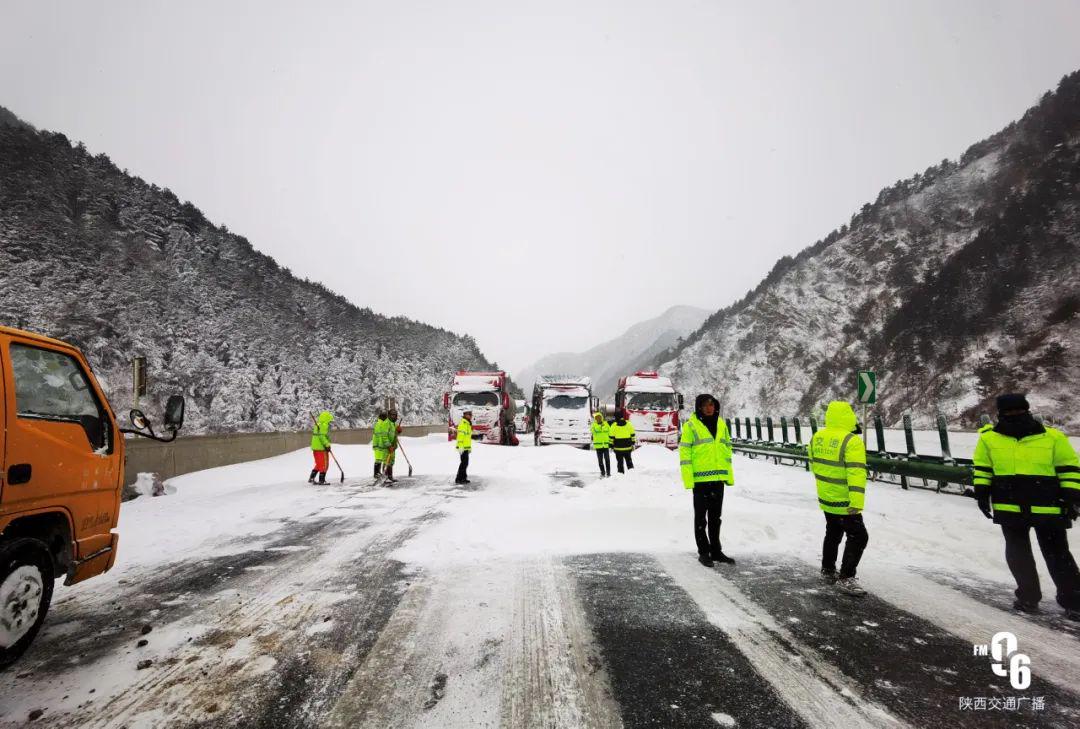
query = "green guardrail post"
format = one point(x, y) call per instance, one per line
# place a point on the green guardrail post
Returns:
point(943, 434)
point(783, 429)
point(757, 426)
point(909, 442)
point(769, 426)
point(738, 430)
point(813, 426)
point(748, 436)
point(879, 431)
point(798, 431)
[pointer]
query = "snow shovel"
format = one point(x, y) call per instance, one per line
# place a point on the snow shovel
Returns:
point(316, 423)
point(407, 461)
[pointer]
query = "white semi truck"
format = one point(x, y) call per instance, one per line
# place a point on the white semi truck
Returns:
point(562, 410)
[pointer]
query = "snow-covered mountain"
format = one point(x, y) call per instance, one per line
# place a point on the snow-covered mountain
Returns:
point(120, 267)
point(953, 285)
point(636, 348)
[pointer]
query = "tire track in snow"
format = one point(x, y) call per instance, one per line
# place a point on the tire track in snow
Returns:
point(498, 644)
point(260, 650)
point(815, 689)
point(913, 668)
point(669, 666)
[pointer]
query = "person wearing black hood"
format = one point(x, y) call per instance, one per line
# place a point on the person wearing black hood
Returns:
point(705, 463)
point(623, 440)
point(1028, 475)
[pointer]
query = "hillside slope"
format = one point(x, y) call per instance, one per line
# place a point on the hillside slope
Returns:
point(120, 267)
point(634, 349)
point(953, 285)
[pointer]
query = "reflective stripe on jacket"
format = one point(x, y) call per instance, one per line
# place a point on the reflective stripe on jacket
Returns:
point(601, 435)
point(838, 461)
point(320, 431)
point(464, 435)
point(623, 437)
point(1029, 479)
point(702, 457)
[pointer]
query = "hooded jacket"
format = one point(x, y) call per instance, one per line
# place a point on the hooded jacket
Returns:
point(838, 461)
point(320, 432)
point(601, 432)
point(704, 452)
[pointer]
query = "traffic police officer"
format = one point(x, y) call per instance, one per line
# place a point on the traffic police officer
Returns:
point(1028, 475)
point(705, 464)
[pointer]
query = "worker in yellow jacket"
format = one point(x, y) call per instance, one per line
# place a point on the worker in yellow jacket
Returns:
point(838, 461)
point(464, 446)
point(705, 465)
point(379, 441)
point(1027, 476)
point(601, 443)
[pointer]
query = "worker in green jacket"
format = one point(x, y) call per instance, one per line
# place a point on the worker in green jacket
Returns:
point(320, 446)
point(378, 441)
point(464, 446)
point(601, 443)
point(393, 430)
point(705, 465)
point(623, 441)
point(838, 461)
point(1028, 475)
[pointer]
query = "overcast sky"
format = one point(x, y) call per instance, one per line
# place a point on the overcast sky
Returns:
point(540, 175)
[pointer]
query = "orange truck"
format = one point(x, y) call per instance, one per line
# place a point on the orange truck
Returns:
point(61, 474)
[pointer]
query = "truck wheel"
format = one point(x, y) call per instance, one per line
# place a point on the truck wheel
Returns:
point(26, 587)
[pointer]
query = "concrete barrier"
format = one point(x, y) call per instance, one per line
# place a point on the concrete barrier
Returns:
point(198, 452)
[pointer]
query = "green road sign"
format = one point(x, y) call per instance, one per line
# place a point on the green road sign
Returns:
point(867, 387)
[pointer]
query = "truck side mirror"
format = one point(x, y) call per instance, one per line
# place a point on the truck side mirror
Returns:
point(446, 400)
point(680, 401)
point(138, 419)
point(174, 413)
point(595, 403)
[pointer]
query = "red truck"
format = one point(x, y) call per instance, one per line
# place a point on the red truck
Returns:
point(652, 406)
point(487, 395)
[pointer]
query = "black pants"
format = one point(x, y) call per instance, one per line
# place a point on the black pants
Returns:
point(708, 506)
point(1054, 544)
point(622, 457)
point(603, 458)
point(836, 526)
point(462, 476)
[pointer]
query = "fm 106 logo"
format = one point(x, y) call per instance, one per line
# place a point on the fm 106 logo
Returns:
point(1006, 659)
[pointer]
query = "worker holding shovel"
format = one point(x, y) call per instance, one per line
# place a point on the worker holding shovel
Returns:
point(391, 441)
point(320, 446)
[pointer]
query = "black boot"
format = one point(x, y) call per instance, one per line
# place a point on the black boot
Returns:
point(322, 478)
point(390, 474)
point(378, 469)
point(311, 478)
point(705, 560)
point(722, 558)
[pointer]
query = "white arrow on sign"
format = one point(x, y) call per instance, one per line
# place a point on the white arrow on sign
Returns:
point(868, 387)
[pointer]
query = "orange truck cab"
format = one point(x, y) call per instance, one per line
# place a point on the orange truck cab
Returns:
point(61, 474)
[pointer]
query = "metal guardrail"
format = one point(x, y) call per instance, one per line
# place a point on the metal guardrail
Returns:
point(940, 473)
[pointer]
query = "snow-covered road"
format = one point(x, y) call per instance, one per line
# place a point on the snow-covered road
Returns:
point(537, 596)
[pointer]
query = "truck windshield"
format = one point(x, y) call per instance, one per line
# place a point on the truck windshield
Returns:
point(476, 399)
point(568, 402)
point(651, 401)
